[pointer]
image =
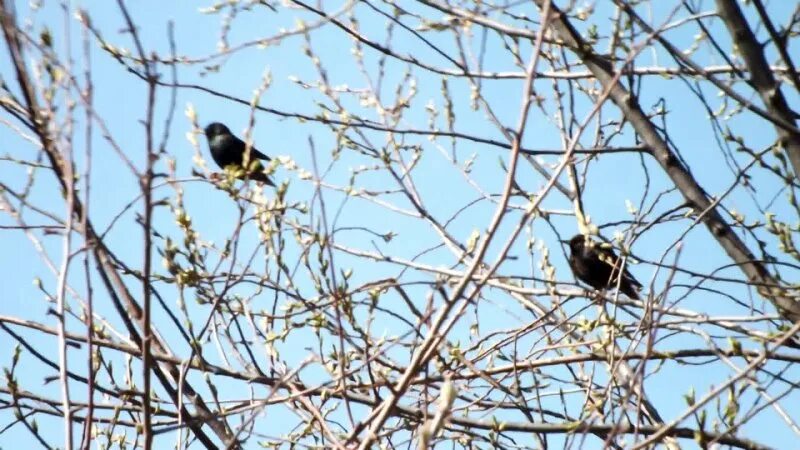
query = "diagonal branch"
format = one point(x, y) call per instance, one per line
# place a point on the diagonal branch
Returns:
point(755, 271)
point(761, 77)
point(116, 287)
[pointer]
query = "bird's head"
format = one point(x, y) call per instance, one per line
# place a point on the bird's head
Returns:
point(216, 129)
point(577, 243)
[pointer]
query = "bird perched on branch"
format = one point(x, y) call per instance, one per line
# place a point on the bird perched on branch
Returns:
point(229, 150)
point(599, 267)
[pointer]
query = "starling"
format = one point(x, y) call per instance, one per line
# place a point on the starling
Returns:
point(228, 150)
point(599, 267)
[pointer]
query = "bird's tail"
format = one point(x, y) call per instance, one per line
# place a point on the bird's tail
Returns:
point(629, 289)
point(262, 177)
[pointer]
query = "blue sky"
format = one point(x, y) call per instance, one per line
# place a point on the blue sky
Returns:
point(610, 179)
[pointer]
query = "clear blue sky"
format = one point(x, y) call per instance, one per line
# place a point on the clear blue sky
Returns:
point(611, 180)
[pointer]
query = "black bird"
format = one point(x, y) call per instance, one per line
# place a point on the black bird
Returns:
point(599, 267)
point(228, 150)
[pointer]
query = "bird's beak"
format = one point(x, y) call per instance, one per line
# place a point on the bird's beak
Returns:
point(563, 241)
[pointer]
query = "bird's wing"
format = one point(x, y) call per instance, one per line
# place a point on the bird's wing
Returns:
point(609, 257)
point(254, 153)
